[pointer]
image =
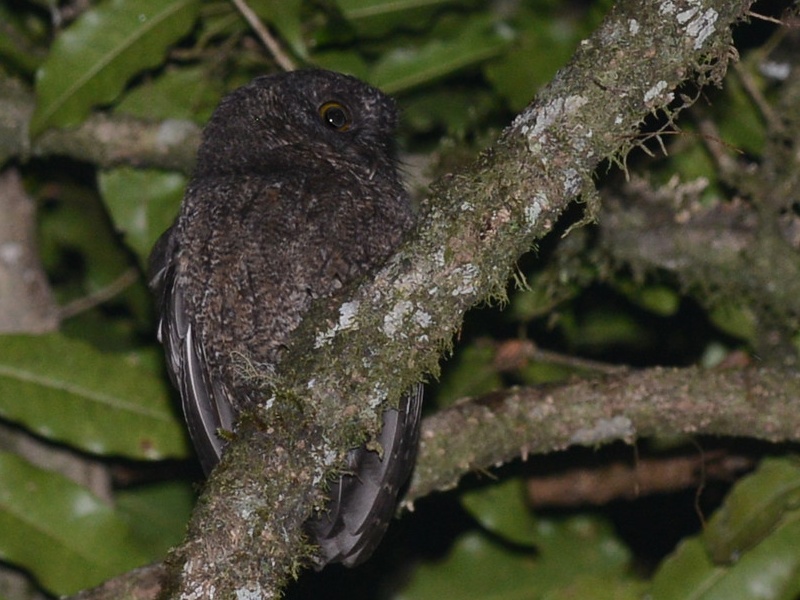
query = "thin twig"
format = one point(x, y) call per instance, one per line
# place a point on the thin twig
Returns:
point(281, 57)
point(727, 166)
point(85, 303)
point(515, 354)
point(752, 90)
point(766, 18)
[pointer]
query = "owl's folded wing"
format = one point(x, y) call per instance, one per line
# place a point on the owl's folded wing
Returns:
point(205, 404)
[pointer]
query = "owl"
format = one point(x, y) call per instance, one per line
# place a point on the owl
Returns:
point(295, 196)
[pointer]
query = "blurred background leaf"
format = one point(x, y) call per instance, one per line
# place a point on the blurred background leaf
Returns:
point(749, 548)
point(68, 538)
point(67, 391)
point(142, 204)
point(92, 59)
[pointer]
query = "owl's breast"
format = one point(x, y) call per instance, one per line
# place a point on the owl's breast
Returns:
point(257, 252)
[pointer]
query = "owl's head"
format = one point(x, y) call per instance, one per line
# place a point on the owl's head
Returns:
point(299, 118)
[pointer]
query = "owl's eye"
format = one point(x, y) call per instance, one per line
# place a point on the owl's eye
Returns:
point(335, 116)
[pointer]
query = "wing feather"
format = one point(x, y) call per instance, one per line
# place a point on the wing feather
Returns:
point(362, 503)
point(206, 404)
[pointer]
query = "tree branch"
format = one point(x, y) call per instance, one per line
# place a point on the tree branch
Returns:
point(634, 478)
point(26, 301)
point(103, 140)
point(475, 435)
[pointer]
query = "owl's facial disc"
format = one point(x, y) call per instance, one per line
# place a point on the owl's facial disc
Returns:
point(335, 115)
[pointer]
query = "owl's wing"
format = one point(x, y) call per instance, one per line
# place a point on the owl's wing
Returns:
point(206, 405)
point(363, 502)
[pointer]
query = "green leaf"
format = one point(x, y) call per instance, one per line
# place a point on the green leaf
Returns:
point(598, 587)
point(157, 515)
point(458, 111)
point(77, 224)
point(753, 539)
point(741, 122)
point(60, 532)
point(363, 9)
point(571, 554)
point(376, 18)
point(543, 295)
point(687, 574)
point(501, 509)
point(735, 318)
point(770, 571)
point(470, 372)
point(20, 35)
point(659, 299)
point(543, 47)
point(67, 391)
point(344, 61)
point(189, 93)
point(753, 508)
point(407, 67)
point(93, 59)
point(604, 327)
point(142, 203)
point(475, 569)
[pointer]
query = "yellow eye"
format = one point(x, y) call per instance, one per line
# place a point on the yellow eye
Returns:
point(335, 116)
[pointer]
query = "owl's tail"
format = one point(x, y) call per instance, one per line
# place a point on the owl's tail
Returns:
point(364, 501)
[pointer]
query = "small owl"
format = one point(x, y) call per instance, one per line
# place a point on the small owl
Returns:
point(295, 196)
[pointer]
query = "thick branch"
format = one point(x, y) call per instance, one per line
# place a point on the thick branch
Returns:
point(722, 252)
point(26, 301)
point(475, 435)
point(102, 140)
point(634, 477)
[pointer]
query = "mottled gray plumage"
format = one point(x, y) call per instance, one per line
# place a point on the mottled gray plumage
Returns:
point(295, 196)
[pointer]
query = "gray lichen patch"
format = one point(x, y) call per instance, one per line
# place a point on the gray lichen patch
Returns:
point(347, 320)
point(604, 430)
point(534, 125)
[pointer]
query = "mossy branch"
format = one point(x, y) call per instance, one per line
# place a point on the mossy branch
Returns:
point(474, 435)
